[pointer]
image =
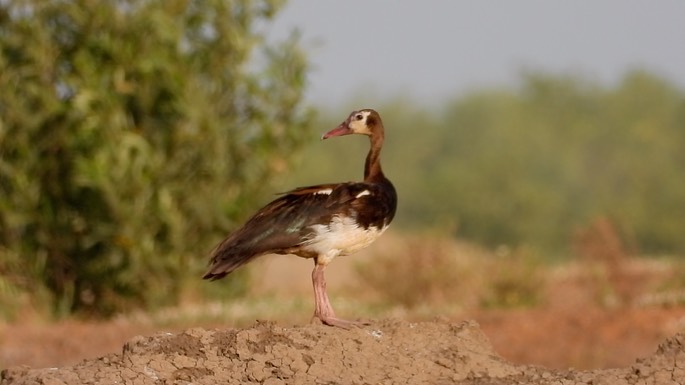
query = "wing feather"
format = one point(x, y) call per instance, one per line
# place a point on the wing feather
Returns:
point(284, 224)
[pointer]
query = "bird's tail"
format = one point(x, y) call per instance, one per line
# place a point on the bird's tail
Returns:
point(225, 260)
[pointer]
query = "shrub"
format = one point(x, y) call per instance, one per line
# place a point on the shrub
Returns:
point(423, 270)
point(515, 279)
point(132, 136)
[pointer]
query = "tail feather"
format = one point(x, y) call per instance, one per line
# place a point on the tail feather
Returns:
point(223, 262)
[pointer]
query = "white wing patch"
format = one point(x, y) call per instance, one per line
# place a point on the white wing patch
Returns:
point(326, 191)
point(363, 193)
point(342, 236)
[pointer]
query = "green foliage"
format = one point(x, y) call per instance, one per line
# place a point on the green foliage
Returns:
point(133, 134)
point(529, 166)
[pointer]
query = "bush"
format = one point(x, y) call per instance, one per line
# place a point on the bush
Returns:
point(424, 270)
point(515, 279)
point(132, 136)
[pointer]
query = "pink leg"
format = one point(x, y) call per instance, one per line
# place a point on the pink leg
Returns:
point(323, 309)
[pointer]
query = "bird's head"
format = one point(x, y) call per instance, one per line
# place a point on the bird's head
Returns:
point(364, 122)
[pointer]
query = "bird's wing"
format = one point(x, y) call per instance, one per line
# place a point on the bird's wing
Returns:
point(284, 224)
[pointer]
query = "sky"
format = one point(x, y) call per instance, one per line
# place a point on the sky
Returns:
point(434, 50)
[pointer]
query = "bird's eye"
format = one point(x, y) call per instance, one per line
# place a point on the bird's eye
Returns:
point(359, 116)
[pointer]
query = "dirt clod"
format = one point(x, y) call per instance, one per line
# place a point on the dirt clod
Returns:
point(386, 352)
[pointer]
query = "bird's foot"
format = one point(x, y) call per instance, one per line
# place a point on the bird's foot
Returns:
point(339, 322)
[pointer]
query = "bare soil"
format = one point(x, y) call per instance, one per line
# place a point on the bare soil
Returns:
point(385, 352)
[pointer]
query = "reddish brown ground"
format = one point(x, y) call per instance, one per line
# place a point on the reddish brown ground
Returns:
point(587, 338)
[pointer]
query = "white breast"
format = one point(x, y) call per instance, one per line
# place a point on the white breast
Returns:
point(342, 236)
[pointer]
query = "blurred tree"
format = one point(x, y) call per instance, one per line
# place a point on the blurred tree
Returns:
point(562, 151)
point(530, 166)
point(132, 134)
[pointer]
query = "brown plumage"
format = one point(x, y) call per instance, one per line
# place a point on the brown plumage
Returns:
point(318, 222)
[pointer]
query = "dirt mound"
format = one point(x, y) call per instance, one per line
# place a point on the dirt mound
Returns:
point(386, 352)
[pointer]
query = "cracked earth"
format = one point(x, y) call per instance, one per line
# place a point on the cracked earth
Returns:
point(385, 352)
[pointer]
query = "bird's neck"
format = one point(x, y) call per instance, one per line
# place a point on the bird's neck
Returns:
point(372, 167)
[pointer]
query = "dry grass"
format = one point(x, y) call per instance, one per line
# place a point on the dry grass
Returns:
point(416, 271)
point(425, 273)
point(515, 279)
point(420, 276)
point(434, 271)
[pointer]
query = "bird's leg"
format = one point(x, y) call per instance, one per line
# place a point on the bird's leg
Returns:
point(323, 309)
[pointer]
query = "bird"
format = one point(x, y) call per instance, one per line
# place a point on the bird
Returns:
point(319, 222)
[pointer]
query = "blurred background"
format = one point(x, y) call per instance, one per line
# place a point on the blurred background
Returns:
point(537, 148)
